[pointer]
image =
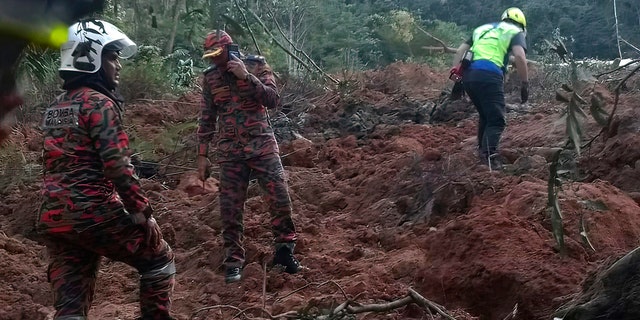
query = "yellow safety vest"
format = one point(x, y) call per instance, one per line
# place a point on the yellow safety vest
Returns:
point(491, 42)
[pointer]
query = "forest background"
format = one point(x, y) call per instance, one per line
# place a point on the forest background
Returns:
point(332, 36)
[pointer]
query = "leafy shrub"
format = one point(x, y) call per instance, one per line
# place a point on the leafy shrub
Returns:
point(149, 75)
point(39, 81)
point(143, 77)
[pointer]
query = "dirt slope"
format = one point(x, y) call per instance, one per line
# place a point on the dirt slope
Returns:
point(384, 201)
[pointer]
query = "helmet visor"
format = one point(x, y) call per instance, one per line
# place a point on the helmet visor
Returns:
point(125, 47)
point(213, 53)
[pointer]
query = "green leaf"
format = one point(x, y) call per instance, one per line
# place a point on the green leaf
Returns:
point(556, 224)
point(583, 235)
point(597, 110)
point(578, 98)
point(574, 132)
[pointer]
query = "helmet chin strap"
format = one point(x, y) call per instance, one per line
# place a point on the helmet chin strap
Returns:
point(102, 75)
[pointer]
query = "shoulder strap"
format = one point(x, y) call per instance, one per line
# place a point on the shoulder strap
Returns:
point(495, 25)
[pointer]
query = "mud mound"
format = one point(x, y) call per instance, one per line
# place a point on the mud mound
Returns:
point(384, 201)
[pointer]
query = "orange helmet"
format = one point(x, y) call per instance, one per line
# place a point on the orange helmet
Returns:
point(214, 42)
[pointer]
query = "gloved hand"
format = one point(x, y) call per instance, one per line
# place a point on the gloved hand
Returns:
point(203, 167)
point(457, 91)
point(524, 92)
point(153, 233)
point(455, 74)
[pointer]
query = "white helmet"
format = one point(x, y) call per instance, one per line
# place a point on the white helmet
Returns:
point(87, 39)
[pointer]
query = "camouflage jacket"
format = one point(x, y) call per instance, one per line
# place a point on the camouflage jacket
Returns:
point(88, 176)
point(237, 108)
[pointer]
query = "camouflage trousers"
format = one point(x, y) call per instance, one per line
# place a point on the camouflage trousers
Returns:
point(234, 182)
point(75, 260)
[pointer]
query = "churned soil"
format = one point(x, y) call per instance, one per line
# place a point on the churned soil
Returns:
point(385, 200)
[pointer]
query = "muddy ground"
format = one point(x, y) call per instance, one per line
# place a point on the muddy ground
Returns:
point(388, 196)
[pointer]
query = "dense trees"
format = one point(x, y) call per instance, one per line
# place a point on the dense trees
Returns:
point(590, 23)
point(343, 34)
point(335, 34)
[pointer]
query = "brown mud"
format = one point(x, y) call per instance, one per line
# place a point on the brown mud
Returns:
point(384, 201)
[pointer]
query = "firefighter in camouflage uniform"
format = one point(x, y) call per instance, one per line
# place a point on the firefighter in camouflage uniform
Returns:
point(237, 91)
point(93, 204)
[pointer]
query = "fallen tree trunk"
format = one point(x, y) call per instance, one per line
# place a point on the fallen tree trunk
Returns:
point(612, 294)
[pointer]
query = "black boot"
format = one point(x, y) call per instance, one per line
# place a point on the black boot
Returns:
point(495, 162)
point(284, 257)
point(232, 274)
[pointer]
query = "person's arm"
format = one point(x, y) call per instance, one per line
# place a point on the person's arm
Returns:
point(518, 48)
point(259, 83)
point(520, 60)
point(112, 143)
point(265, 83)
point(207, 120)
point(459, 52)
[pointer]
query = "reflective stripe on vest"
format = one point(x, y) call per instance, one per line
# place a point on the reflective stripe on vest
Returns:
point(491, 42)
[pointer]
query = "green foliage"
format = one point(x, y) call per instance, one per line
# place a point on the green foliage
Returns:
point(404, 37)
point(589, 22)
point(144, 76)
point(553, 205)
point(597, 110)
point(170, 140)
point(574, 119)
point(151, 76)
point(342, 35)
point(450, 33)
point(38, 77)
point(179, 65)
point(402, 24)
point(578, 81)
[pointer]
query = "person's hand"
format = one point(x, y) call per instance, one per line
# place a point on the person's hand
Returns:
point(457, 91)
point(237, 67)
point(203, 167)
point(153, 234)
point(455, 74)
point(524, 92)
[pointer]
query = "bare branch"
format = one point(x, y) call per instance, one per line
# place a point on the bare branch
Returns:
point(423, 301)
point(445, 48)
point(618, 68)
point(246, 23)
point(442, 49)
point(300, 50)
point(218, 306)
point(380, 307)
point(617, 91)
point(512, 314)
point(264, 285)
point(289, 52)
point(318, 286)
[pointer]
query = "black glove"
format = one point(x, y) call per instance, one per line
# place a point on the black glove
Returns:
point(457, 91)
point(524, 91)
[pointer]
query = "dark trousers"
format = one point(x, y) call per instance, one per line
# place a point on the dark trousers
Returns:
point(234, 182)
point(75, 260)
point(486, 91)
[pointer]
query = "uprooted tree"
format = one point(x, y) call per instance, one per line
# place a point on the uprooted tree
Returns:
point(612, 292)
